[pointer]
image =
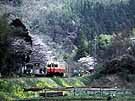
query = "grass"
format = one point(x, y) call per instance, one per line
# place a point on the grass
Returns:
point(83, 98)
point(66, 82)
point(11, 89)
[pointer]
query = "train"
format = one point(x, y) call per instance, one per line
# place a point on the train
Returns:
point(55, 68)
point(52, 68)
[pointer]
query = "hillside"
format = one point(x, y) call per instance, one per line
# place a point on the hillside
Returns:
point(62, 22)
point(83, 34)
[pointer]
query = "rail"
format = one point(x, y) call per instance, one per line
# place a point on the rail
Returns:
point(78, 94)
point(84, 89)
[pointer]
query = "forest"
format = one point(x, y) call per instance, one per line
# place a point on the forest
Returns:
point(70, 31)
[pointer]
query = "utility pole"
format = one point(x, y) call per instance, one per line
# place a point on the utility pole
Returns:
point(95, 49)
point(95, 41)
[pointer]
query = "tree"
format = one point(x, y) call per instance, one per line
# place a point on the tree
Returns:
point(104, 41)
point(118, 46)
point(14, 41)
point(83, 46)
point(4, 43)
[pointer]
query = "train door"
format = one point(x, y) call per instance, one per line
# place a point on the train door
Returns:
point(28, 70)
point(36, 69)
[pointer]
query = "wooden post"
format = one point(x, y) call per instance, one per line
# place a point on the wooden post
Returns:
point(94, 93)
point(45, 94)
point(124, 91)
point(86, 91)
point(74, 91)
point(100, 92)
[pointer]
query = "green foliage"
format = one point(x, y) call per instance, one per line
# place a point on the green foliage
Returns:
point(5, 34)
point(4, 28)
point(13, 89)
point(8, 54)
point(47, 83)
point(94, 15)
point(66, 57)
point(84, 46)
point(133, 32)
point(65, 82)
point(60, 82)
point(104, 40)
point(6, 97)
point(3, 85)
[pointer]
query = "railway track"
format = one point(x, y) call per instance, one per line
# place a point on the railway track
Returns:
point(28, 78)
point(87, 89)
point(65, 99)
point(76, 90)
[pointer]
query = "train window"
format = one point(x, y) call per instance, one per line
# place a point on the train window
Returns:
point(29, 66)
point(56, 65)
point(49, 65)
point(53, 65)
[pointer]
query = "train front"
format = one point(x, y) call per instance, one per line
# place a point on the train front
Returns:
point(55, 69)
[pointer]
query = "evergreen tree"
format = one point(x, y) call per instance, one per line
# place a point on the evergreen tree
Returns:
point(83, 46)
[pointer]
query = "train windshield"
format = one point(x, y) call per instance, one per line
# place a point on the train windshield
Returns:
point(29, 66)
point(52, 65)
